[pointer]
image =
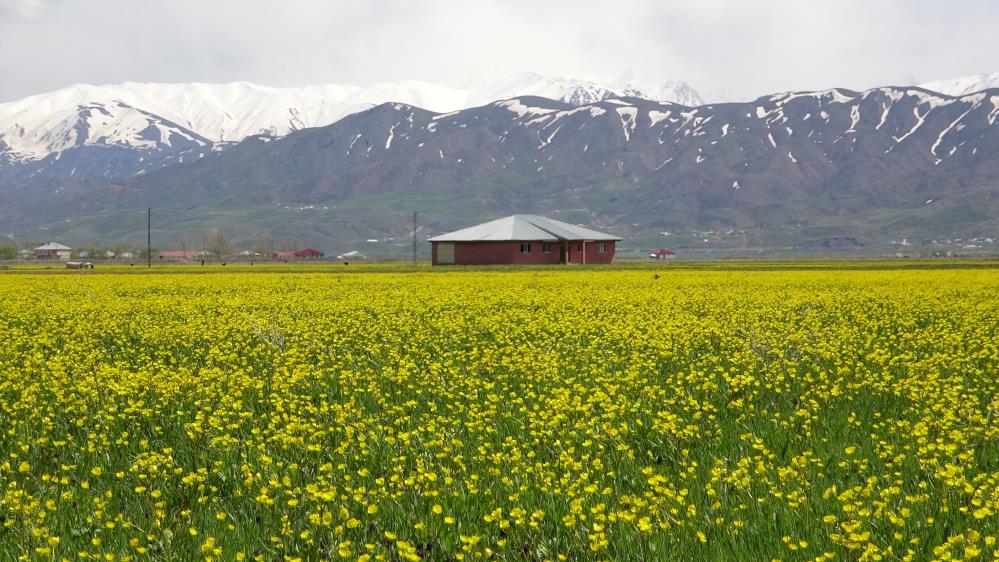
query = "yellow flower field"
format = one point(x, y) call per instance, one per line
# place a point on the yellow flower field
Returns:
point(460, 414)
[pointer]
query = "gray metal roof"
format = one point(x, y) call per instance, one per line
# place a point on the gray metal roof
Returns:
point(53, 246)
point(523, 228)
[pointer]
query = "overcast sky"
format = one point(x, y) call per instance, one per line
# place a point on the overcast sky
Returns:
point(726, 49)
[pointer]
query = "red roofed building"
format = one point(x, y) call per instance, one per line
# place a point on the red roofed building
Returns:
point(309, 253)
point(661, 253)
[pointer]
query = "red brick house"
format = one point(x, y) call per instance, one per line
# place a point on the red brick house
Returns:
point(523, 239)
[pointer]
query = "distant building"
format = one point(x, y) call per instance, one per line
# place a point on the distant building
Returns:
point(662, 254)
point(108, 254)
point(352, 255)
point(309, 253)
point(178, 255)
point(304, 253)
point(53, 251)
point(523, 239)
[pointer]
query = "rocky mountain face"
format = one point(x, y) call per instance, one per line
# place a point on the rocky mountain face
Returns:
point(873, 165)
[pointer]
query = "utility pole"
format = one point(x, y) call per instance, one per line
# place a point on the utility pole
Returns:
point(415, 215)
point(149, 237)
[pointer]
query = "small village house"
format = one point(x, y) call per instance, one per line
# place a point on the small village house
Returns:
point(309, 253)
point(523, 239)
point(53, 251)
point(304, 253)
point(178, 255)
point(352, 255)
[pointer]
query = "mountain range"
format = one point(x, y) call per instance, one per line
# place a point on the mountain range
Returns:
point(149, 115)
point(785, 169)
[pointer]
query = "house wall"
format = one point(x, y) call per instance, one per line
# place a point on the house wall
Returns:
point(62, 255)
point(592, 252)
point(494, 253)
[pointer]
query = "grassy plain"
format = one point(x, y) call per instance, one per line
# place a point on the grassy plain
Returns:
point(752, 411)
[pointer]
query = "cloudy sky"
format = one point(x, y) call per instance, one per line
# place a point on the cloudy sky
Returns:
point(726, 49)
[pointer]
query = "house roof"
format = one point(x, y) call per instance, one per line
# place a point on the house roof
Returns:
point(52, 246)
point(308, 252)
point(523, 228)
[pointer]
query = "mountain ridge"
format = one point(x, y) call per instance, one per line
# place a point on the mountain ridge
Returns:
point(123, 114)
point(876, 165)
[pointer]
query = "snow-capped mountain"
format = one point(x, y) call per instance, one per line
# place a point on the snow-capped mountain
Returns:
point(964, 85)
point(875, 165)
point(150, 116)
point(37, 126)
point(569, 90)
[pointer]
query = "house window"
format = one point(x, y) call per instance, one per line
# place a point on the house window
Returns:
point(525, 247)
point(546, 247)
point(445, 252)
point(580, 248)
point(601, 247)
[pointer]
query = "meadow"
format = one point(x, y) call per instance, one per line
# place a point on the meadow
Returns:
point(621, 413)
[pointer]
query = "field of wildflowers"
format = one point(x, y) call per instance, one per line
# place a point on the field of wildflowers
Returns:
point(562, 414)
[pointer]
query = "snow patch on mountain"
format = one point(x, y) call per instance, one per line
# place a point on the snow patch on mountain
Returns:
point(963, 85)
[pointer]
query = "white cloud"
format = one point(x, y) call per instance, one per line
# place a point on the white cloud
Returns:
point(728, 49)
point(21, 9)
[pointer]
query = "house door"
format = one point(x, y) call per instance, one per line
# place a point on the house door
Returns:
point(561, 254)
point(445, 253)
